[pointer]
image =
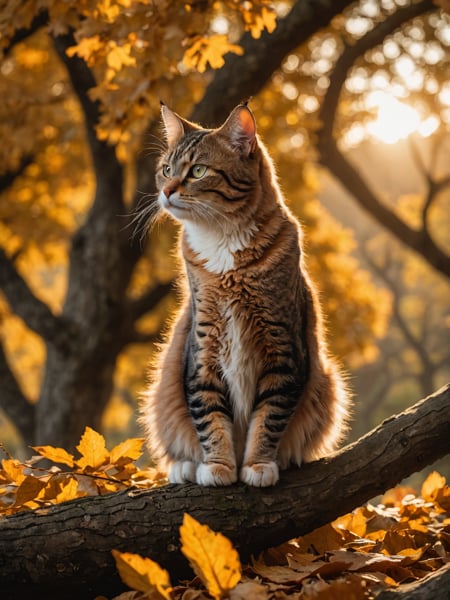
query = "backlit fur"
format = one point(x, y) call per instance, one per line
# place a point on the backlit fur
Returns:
point(244, 384)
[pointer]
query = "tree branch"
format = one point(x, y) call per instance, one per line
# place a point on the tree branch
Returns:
point(58, 544)
point(13, 400)
point(245, 76)
point(149, 300)
point(103, 155)
point(332, 158)
point(36, 314)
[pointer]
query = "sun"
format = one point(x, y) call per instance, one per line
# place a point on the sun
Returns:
point(395, 120)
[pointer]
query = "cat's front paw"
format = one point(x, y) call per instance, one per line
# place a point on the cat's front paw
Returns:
point(215, 474)
point(182, 471)
point(260, 474)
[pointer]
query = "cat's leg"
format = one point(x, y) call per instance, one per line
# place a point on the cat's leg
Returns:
point(273, 409)
point(211, 415)
point(218, 466)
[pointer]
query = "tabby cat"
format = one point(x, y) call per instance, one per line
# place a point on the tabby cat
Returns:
point(244, 385)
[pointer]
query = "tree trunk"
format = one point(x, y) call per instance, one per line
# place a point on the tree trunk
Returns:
point(70, 545)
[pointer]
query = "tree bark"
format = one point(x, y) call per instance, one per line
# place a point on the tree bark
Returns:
point(70, 544)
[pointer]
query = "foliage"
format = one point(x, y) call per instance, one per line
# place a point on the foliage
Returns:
point(97, 471)
point(403, 538)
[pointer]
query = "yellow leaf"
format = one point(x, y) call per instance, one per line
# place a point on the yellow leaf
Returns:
point(142, 574)
point(69, 491)
point(210, 50)
point(432, 484)
point(355, 522)
point(29, 490)
point(126, 451)
point(56, 455)
point(92, 449)
point(212, 557)
point(119, 56)
point(14, 470)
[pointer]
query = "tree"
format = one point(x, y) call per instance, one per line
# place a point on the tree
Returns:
point(102, 73)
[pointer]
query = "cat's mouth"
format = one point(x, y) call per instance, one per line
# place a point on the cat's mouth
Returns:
point(172, 202)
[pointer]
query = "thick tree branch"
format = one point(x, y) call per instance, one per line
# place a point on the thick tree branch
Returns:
point(36, 314)
point(148, 301)
point(105, 162)
point(59, 544)
point(138, 308)
point(332, 158)
point(13, 400)
point(245, 76)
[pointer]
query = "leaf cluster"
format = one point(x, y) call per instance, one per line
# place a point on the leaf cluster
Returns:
point(28, 485)
point(402, 539)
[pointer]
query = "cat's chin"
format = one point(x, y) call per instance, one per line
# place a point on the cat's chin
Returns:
point(260, 474)
point(215, 474)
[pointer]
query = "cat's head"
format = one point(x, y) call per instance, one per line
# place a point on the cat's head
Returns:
point(207, 175)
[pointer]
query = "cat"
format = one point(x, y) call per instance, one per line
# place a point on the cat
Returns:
point(244, 385)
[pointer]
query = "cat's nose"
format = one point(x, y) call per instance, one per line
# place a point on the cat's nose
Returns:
point(170, 189)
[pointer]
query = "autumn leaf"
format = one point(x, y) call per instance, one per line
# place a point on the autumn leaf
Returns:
point(13, 470)
point(119, 56)
point(256, 23)
point(68, 491)
point(126, 451)
point(56, 455)
point(431, 486)
point(93, 450)
point(355, 522)
point(211, 555)
point(28, 490)
point(143, 574)
point(212, 49)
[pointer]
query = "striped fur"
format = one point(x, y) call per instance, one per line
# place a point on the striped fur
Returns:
point(244, 385)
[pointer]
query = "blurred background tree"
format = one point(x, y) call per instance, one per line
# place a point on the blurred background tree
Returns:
point(352, 100)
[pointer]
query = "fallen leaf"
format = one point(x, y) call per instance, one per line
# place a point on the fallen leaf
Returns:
point(142, 574)
point(432, 484)
point(211, 555)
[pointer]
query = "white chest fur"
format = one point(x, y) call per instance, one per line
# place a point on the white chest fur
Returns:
point(239, 370)
point(217, 245)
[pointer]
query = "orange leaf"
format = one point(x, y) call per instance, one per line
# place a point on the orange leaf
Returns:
point(431, 486)
point(29, 490)
point(14, 470)
point(69, 491)
point(142, 574)
point(56, 455)
point(211, 555)
point(92, 449)
point(127, 451)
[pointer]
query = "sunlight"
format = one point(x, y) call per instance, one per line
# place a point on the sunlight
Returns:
point(395, 120)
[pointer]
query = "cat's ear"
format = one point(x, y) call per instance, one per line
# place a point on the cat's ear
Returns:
point(240, 128)
point(175, 127)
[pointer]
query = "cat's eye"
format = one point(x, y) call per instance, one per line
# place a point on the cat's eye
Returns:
point(198, 171)
point(167, 170)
